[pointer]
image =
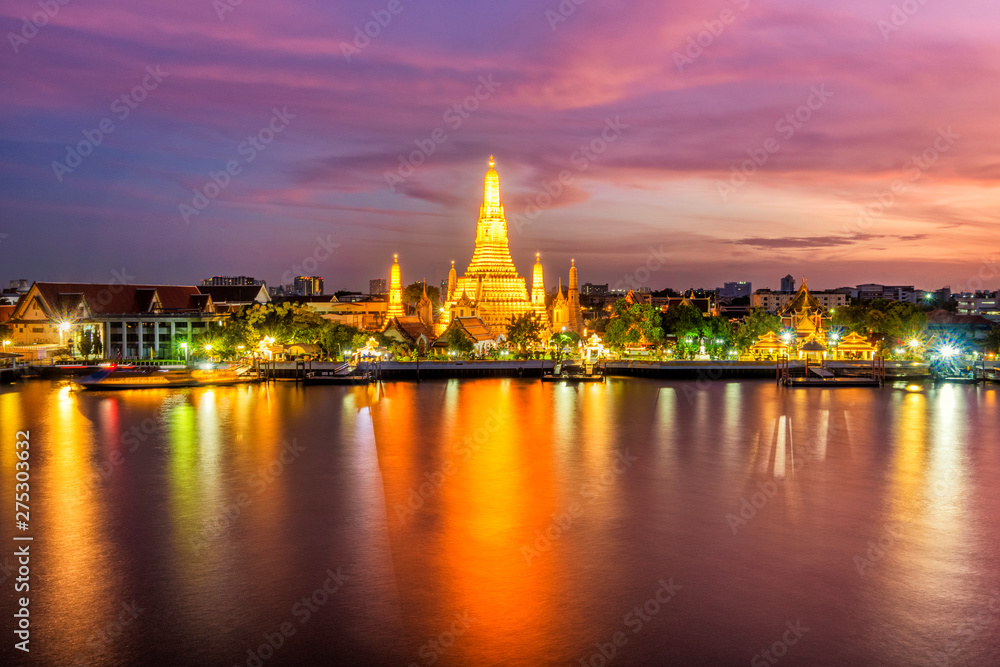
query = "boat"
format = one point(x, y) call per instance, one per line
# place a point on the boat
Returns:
point(116, 377)
point(331, 377)
point(568, 373)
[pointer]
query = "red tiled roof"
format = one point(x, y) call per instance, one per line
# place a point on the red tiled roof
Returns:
point(475, 328)
point(411, 327)
point(121, 299)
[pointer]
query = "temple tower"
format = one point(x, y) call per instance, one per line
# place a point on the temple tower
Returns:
point(491, 281)
point(573, 301)
point(395, 291)
point(425, 309)
point(537, 283)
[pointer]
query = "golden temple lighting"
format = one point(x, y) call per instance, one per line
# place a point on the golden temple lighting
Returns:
point(395, 290)
point(491, 283)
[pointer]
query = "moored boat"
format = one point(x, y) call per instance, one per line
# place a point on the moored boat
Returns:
point(116, 377)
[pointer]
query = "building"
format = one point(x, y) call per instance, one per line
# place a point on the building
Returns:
point(230, 298)
point(776, 301)
point(133, 321)
point(220, 281)
point(320, 304)
point(806, 322)
point(411, 331)
point(987, 307)
point(806, 316)
point(376, 287)
point(872, 291)
point(395, 290)
point(491, 287)
point(425, 310)
point(788, 284)
point(308, 285)
point(590, 289)
point(482, 336)
point(958, 330)
point(737, 289)
point(707, 304)
point(367, 315)
point(566, 312)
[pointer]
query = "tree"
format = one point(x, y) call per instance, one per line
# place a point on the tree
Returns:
point(634, 324)
point(86, 343)
point(336, 338)
point(755, 325)
point(992, 343)
point(6, 331)
point(414, 291)
point(684, 320)
point(459, 342)
point(524, 331)
point(597, 324)
point(286, 322)
point(560, 339)
point(891, 322)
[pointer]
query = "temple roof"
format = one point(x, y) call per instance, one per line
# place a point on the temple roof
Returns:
point(95, 298)
point(854, 341)
point(410, 328)
point(802, 299)
point(769, 341)
point(475, 328)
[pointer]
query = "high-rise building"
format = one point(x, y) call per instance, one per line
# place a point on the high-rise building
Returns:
point(590, 289)
point(737, 289)
point(309, 286)
point(230, 281)
point(788, 283)
point(376, 287)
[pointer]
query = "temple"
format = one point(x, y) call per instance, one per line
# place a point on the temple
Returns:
point(395, 290)
point(491, 288)
point(808, 336)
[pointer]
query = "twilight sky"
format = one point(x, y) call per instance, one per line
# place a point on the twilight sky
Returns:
point(876, 128)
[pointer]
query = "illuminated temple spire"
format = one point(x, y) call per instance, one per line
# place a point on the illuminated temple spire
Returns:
point(491, 285)
point(538, 283)
point(492, 255)
point(395, 291)
point(573, 300)
point(452, 280)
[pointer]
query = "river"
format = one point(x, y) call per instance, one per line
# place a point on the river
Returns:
point(506, 522)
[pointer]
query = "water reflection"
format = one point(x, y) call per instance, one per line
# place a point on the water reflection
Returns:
point(511, 521)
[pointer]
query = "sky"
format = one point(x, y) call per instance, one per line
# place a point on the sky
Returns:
point(680, 144)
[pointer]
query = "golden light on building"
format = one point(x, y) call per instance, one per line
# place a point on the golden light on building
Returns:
point(538, 282)
point(395, 291)
point(491, 283)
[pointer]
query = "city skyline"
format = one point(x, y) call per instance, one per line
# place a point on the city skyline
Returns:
point(312, 134)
